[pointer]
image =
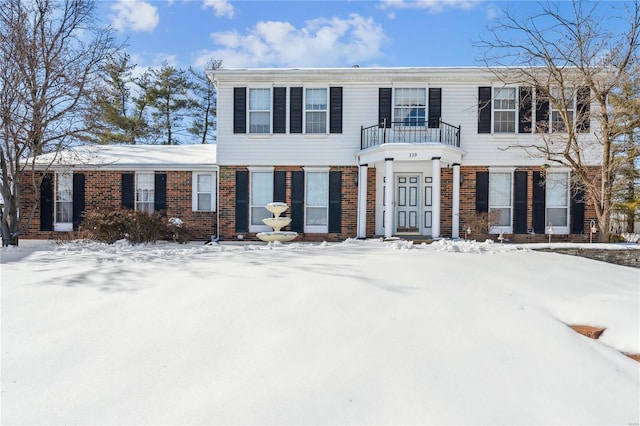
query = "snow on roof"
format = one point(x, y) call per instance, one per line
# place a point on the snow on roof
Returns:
point(132, 156)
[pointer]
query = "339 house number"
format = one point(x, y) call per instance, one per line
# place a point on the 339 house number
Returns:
point(413, 155)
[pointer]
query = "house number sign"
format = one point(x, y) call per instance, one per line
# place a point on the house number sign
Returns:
point(413, 155)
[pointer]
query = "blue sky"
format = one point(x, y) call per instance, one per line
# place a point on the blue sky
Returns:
point(301, 33)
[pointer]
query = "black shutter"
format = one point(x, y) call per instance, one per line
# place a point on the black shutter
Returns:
point(127, 194)
point(484, 109)
point(78, 199)
point(242, 201)
point(279, 186)
point(542, 111)
point(525, 105)
point(335, 110)
point(279, 110)
point(577, 211)
point(539, 203)
point(160, 194)
point(335, 201)
point(482, 192)
point(46, 203)
point(295, 110)
point(384, 106)
point(239, 110)
point(583, 108)
point(520, 202)
point(435, 107)
point(297, 201)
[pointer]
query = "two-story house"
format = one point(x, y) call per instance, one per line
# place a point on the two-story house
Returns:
point(362, 152)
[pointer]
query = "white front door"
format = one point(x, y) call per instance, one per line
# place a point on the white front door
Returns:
point(407, 204)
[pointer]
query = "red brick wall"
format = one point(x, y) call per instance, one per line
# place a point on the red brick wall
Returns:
point(103, 191)
point(349, 204)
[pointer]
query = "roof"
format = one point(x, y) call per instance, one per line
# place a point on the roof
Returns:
point(126, 157)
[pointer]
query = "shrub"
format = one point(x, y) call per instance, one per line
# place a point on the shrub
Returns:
point(135, 226)
point(479, 224)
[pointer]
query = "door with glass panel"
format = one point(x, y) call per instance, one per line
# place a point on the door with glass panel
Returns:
point(407, 204)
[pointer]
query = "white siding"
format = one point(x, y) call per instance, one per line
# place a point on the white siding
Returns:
point(360, 108)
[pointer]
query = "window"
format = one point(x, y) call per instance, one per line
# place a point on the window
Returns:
point(557, 201)
point(64, 202)
point(316, 111)
point(504, 110)
point(566, 98)
point(261, 194)
point(259, 110)
point(409, 107)
point(500, 201)
point(145, 189)
point(316, 201)
point(204, 192)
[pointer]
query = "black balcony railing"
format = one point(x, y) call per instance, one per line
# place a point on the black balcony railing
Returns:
point(401, 132)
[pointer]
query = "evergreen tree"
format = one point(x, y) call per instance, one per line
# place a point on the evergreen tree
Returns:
point(168, 95)
point(204, 103)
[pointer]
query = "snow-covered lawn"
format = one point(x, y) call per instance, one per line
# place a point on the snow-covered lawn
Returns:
point(356, 332)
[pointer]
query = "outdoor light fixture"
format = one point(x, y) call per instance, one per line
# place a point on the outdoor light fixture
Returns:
point(468, 232)
point(550, 231)
point(593, 231)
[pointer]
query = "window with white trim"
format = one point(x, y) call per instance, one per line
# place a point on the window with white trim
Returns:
point(567, 98)
point(315, 108)
point(504, 110)
point(410, 106)
point(316, 201)
point(204, 191)
point(145, 191)
point(557, 201)
point(261, 193)
point(64, 202)
point(501, 201)
point(260, 110)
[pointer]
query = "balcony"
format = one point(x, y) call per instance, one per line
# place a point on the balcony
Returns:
point(415, 132)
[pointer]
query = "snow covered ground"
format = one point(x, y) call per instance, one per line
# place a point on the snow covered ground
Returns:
point(356, 332)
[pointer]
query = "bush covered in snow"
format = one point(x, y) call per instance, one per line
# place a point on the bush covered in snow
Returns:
point(138, 227)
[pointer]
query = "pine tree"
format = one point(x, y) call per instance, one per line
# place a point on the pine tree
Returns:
point(204, 103)
point(168, 95)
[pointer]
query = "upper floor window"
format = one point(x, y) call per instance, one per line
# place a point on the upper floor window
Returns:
point(504, 110)
point(204, 192)
point(564, 102)
point(409, 106)
point(259, 110)
point(145, 191)
point(64, 202)
point(315, 111)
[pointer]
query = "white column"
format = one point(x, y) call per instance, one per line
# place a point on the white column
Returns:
point(435, 225)
point(455, 202)
point(362, 201)
point(388, 197)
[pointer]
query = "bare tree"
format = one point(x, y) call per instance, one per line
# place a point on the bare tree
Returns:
point(204, 103)
point(50, 57)
point(574, 61)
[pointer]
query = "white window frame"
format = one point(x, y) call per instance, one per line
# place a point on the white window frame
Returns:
point(324, 111)
point(251, 111)
point(64, 196)
point(196, 190)
point(314, 228)
point(145, 201)
point(253, 171)
point(396, 119)
point(497, 229)
point(514, 110)
point(569, 92)
point(566, 202)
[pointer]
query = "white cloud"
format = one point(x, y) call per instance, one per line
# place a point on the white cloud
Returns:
point(221, 7)
point(433, 6)
point(135, 15)
point(321, 42)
